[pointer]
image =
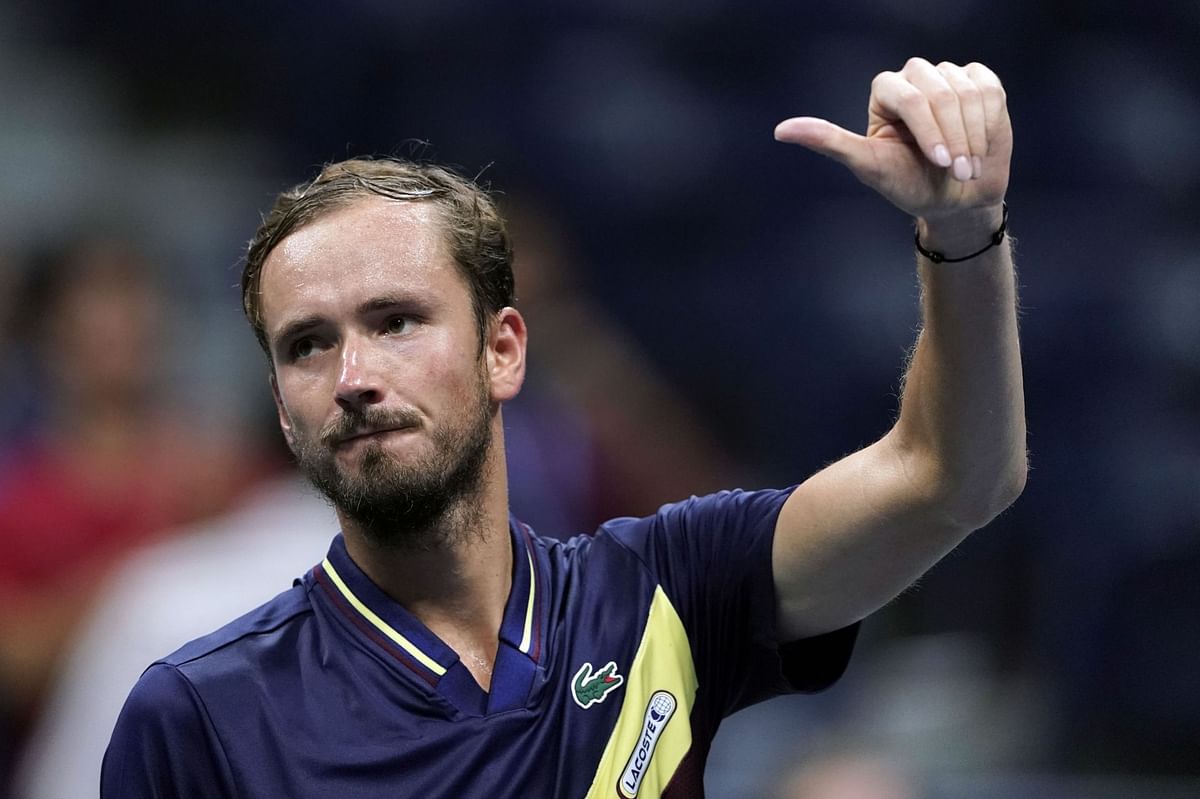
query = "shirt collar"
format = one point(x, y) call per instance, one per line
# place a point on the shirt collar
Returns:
point(389, 625)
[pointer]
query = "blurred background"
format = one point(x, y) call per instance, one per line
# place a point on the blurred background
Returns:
point(707, 307)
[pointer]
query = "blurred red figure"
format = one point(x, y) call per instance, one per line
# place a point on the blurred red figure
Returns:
point(107, 465)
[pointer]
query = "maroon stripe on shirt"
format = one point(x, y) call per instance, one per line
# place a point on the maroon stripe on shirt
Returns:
point(357, 620)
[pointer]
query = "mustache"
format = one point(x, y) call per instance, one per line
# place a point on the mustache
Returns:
point(354, 422)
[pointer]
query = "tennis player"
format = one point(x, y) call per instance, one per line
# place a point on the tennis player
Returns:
point(444, 649)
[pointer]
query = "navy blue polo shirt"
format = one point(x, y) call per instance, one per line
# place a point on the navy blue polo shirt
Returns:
point(619, 655)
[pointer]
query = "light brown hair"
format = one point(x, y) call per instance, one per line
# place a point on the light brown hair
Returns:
point(474, 230)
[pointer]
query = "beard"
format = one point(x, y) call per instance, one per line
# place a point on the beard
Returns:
point(425, 503)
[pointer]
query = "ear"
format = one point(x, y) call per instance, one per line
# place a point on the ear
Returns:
point(285, 420)
point(505, 354)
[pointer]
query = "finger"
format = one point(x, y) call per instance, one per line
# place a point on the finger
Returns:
point(943, 101)
point(970, 103)
point(895, 99)
point(826, 138)
point(992, 91)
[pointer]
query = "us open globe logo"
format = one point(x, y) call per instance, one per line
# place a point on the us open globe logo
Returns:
point(662, 704)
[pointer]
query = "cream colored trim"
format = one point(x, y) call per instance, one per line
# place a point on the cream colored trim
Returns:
point(527, 637)
point(379, 624)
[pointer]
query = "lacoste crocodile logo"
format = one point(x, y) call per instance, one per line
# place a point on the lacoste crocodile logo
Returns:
point(590, 687)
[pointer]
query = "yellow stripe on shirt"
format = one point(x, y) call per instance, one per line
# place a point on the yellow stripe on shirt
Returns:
point(381, 625)
point(663, 663)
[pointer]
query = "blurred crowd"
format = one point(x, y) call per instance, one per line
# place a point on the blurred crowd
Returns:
point(707, 309)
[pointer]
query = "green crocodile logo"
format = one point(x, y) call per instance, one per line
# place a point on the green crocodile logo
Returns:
point(589, 688)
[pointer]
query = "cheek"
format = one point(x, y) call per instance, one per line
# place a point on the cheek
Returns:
point(450, 367)
point(296, 401)
point(453, 387)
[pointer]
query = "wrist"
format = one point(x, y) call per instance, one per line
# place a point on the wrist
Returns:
point(963, 234)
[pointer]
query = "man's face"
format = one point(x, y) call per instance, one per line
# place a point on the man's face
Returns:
point(384, 393)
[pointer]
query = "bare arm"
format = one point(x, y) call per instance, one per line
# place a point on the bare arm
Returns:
point(860, 531)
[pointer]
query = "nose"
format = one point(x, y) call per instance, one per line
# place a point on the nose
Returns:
point(358, 385)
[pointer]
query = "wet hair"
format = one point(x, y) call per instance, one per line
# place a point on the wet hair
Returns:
point(475, 232)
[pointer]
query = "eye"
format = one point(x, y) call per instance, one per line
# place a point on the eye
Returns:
point(395, 325)
point(302, 348)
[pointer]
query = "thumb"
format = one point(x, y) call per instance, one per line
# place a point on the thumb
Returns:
point(826, 138)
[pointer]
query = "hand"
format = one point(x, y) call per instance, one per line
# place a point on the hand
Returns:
point(938, 140)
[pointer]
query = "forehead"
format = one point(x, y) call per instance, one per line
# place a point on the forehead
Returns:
point(372, 247)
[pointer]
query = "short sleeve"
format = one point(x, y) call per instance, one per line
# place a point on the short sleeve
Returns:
point(163, 746)
point(712, 557)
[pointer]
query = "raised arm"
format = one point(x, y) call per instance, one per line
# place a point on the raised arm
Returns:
point(857, 533)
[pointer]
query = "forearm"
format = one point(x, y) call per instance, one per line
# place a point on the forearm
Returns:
point(962, 417)
point(938, 146)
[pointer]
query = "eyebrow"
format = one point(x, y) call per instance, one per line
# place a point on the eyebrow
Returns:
point(386, 302)
point(298, 326)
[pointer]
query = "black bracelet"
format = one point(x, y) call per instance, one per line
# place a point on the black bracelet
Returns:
point(939, 258)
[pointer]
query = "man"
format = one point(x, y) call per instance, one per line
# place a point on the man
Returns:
point(444, 649)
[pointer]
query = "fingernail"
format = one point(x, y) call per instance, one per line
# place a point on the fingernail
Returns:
point(962, 168)
point(941, 156)
point(976, 166)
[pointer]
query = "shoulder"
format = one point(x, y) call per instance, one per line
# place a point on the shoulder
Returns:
point(251, 636)
point(713, 538)
point(164, 743)
point(728, 515)
point(169, 733)
point(214, 675)
point(162, 697)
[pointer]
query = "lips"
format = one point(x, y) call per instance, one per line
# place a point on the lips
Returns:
point(369, 432)
point(353, 425)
